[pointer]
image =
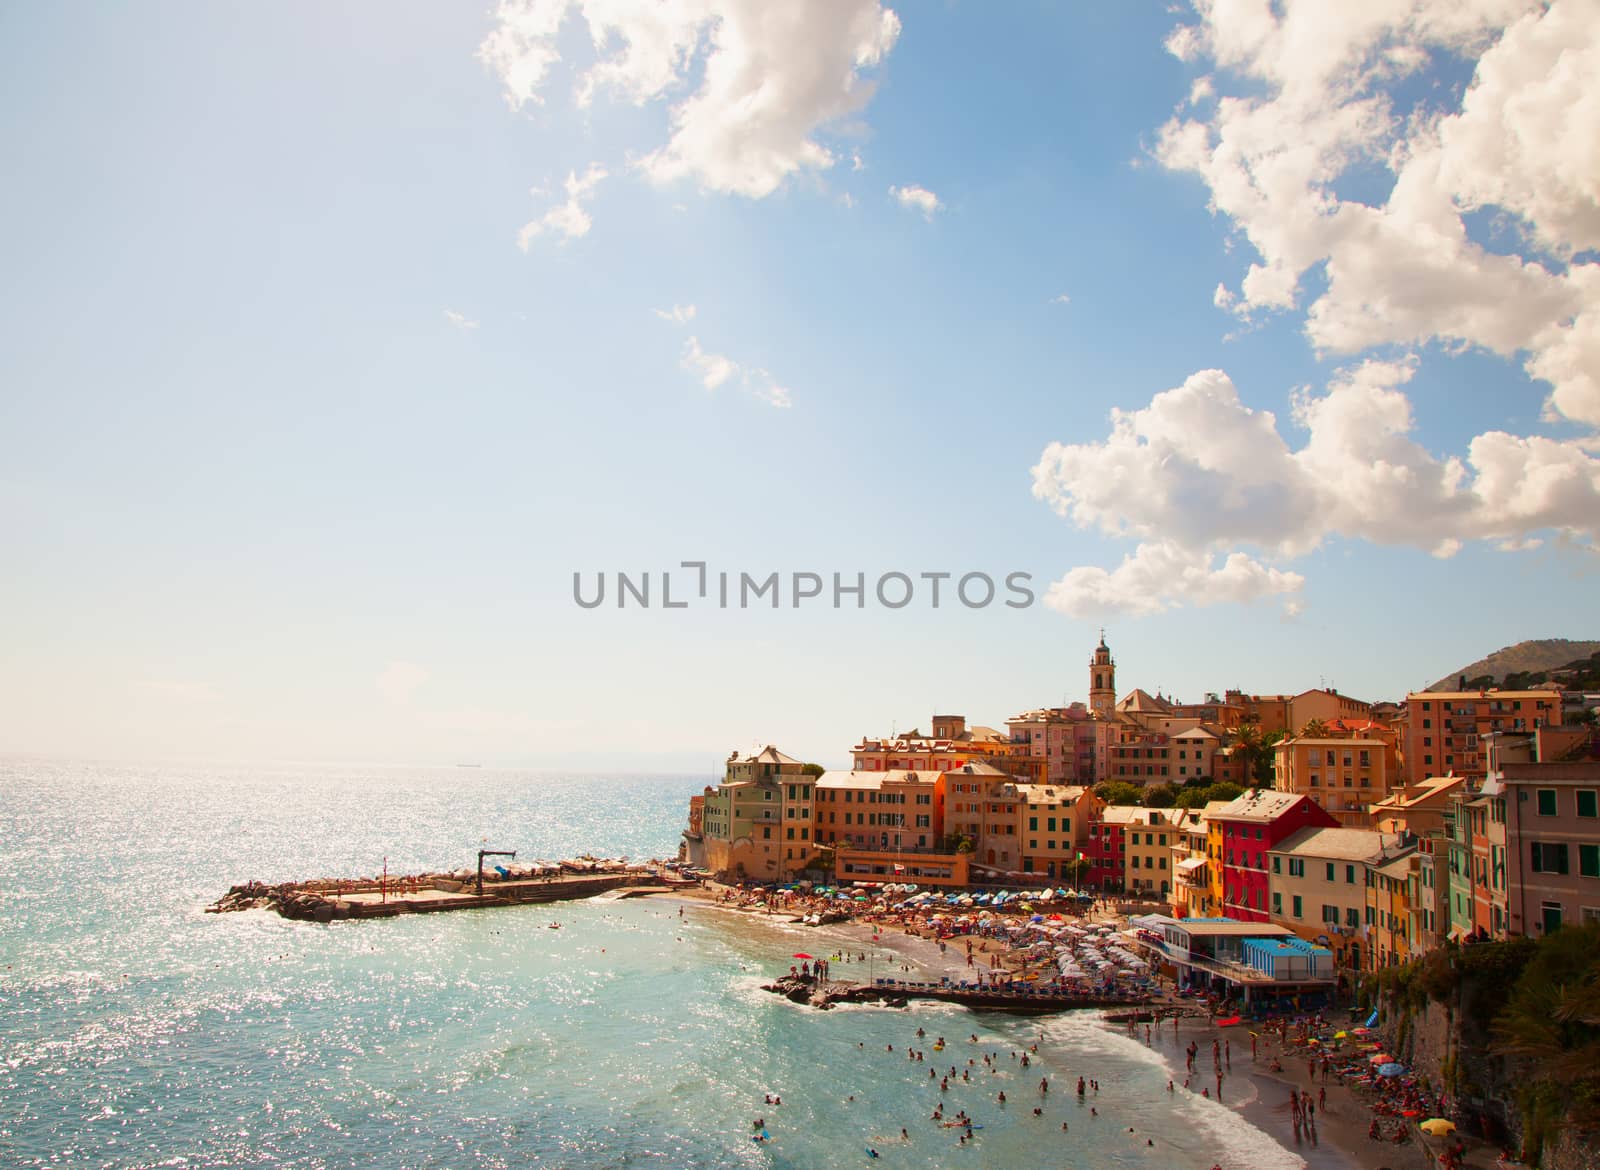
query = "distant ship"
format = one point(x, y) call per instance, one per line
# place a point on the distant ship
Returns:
point(469, 765)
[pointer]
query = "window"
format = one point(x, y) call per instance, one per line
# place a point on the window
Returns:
point(1547, 802)
point(1297, 867)
point(1277, 902)
point(1587, 802)
point(1277, 865)
point(1297, 905)
point(1547, 858)
point(1352, 917)
point(1330, 871)
point(1033, 824)
point(1589, 860)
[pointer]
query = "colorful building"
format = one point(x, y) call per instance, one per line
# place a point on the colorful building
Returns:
point(980, 804)
point(1054, 828)
point(1552, 795)
point(1418, 809)
point(1149, 855)
point(1389, 912)
point(1249, 827)
point(1345, 774)
point(1444, 730)
point(757, 823)
point(1318, 885)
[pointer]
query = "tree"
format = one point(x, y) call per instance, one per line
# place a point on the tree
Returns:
point(1314, 729)
point(1160, 796)
point(812, 769)
point(1223, 790)
point(1073, 871)
point(1552, 1021)
point(1261, 774)
point(1117, 792)
point(1191, 798)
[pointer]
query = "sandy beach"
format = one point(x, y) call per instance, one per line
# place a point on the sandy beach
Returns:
point(1336, 1139)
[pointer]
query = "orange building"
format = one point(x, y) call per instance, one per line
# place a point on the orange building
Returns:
point(1344, 774)
point(1444, 730)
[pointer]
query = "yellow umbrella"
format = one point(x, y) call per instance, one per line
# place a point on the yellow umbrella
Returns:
point(1437, 1126)
point(1340, 1035)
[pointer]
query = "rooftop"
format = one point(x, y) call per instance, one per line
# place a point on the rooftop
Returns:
point(1258, 804)
point(1361, 845)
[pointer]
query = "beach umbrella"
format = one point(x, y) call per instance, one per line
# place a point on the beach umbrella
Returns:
point(1437, 1126)
point(1340, 1035)
point(1392, 1069)
point(800, 955)
point(1380, 1058)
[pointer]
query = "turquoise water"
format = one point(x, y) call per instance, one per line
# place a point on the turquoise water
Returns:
point(136, 1031)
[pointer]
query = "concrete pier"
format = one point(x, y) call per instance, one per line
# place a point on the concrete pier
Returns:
point(327, 901)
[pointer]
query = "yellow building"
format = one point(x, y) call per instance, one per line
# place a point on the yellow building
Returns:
point(1317, 883)
point(1054, 828)
point(757, 824)
point(1191, 883)
point(1388, 911)
point(1344, 774)
point(1149, 839)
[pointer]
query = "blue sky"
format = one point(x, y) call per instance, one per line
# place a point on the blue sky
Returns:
point(303, 450)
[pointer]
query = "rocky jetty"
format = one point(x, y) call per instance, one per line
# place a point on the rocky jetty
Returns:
point(302, 901)
point(824, 995)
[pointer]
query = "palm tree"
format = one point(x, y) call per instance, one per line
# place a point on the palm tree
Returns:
point(1314, 729)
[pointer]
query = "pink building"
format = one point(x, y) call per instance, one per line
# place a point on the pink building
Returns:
point(1552, 804)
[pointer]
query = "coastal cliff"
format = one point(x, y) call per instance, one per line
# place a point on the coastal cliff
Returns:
point(1510, 1032)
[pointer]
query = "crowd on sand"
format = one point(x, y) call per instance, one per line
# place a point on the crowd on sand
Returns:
point(1309, 1078)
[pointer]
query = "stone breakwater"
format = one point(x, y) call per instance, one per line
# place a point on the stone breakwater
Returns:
point(291, 900)
point(327, 900)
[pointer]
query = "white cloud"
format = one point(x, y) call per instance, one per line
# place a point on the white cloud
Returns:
point(459, 320)
point(678, 314)
point(569, 219)
point(1315, 99)
point(399, 681)
point(1062, 299)
point(714, 370)
point(917, 199)
point(1197, 473)
point(772, 76)
point(1162, 575)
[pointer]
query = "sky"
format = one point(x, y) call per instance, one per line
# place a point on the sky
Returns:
point(345, 346)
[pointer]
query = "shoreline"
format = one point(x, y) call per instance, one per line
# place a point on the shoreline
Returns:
point(1250, 1090)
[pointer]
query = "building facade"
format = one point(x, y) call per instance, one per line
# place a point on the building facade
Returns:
point(1444, 730)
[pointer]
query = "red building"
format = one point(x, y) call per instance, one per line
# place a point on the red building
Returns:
point(1250, 826)
point(1107, 849)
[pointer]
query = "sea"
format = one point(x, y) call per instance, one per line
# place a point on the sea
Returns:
point(138, 1031)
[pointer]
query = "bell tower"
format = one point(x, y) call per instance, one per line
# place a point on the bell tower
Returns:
point(1102, 679)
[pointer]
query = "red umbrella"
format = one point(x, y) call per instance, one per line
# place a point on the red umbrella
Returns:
point(801, 955)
